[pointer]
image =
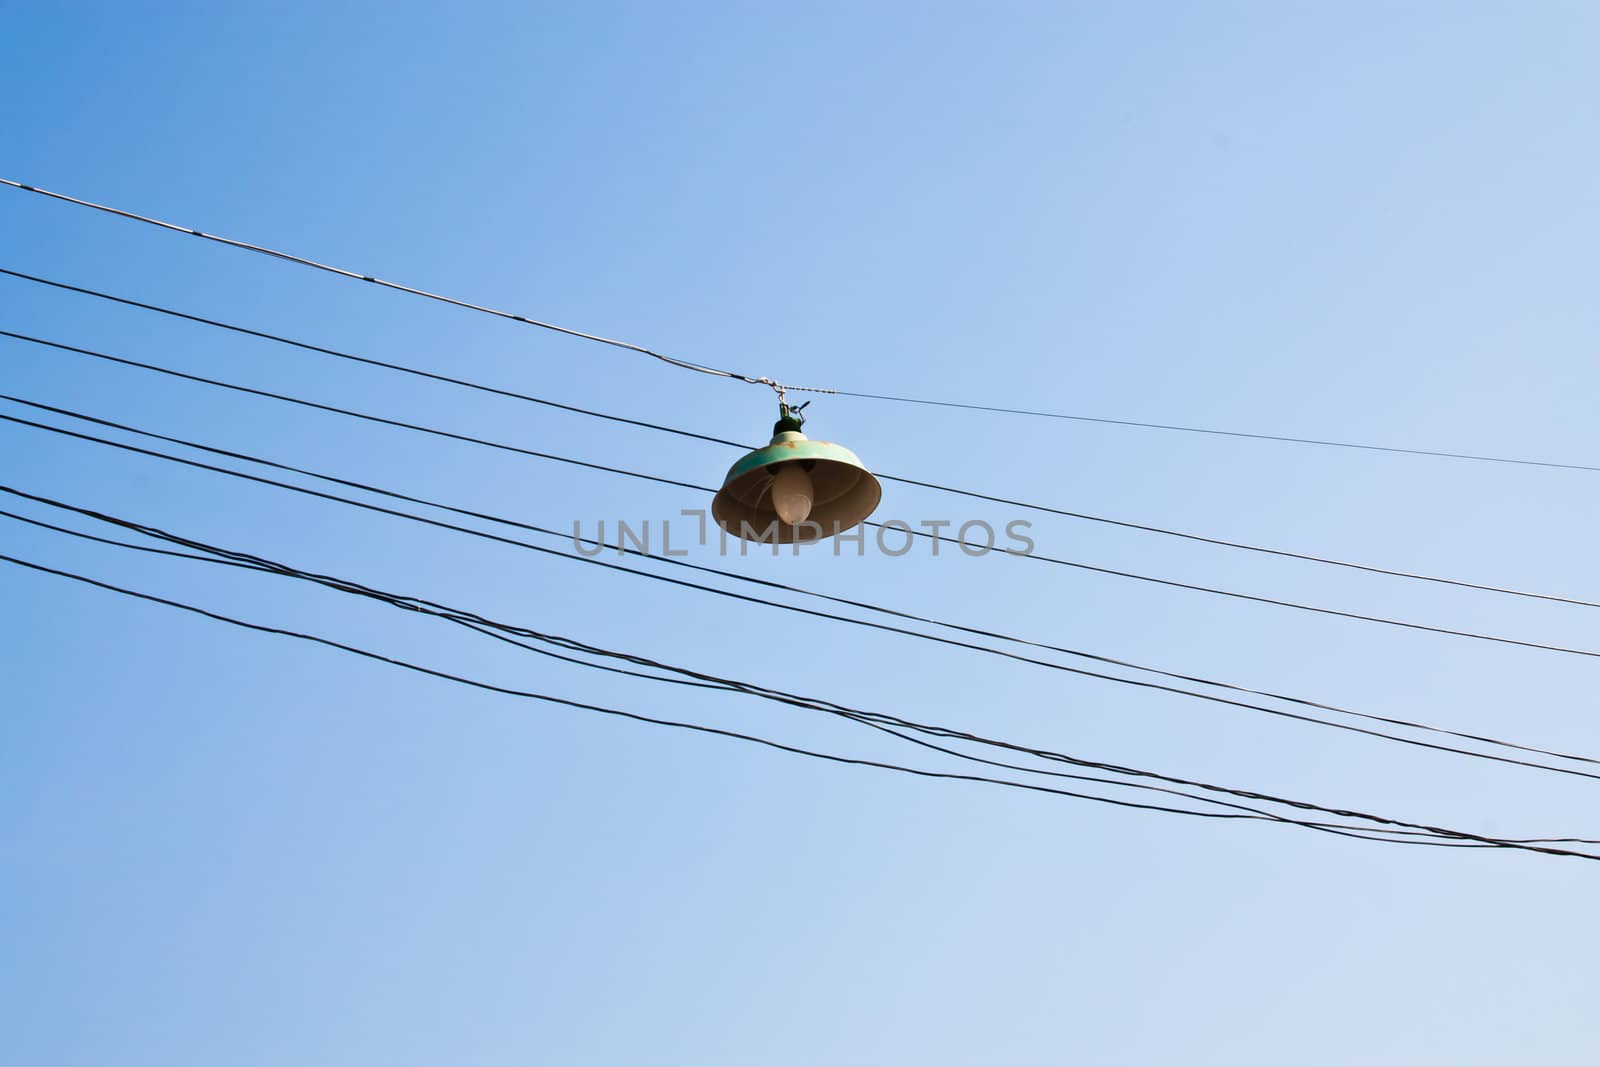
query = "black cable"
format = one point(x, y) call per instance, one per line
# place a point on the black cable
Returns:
point(755, 600)
point(243, 561)
point(516, 449)
point(229, 558)
point(697, 727)
point(806, 592)
point(369, 361)
point(513, 635)
point(351, 413)
point(786, 588)
point(408, 601)
point(764, 380)
point(969, 493)
point(781, 605)
point(1222, 542)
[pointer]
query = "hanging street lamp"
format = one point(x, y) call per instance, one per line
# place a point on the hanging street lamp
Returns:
point(795, 490)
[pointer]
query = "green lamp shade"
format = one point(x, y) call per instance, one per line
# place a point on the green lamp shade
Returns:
point(843, 492)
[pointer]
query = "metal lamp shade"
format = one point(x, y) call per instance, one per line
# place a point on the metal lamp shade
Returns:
point(844, 492)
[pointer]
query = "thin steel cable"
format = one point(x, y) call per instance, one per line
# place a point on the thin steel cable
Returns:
point(762, 380)
point(778, 604)
point(900, 479)
point(396, 286)
point(1437, 454)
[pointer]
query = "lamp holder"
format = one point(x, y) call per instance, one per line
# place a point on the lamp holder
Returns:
point(790, 418)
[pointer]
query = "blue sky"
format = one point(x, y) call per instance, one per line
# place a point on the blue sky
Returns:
point(1367, 222)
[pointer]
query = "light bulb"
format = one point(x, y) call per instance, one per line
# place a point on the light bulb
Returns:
point(792, 493)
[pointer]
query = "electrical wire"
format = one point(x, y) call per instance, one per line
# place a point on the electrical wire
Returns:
point(351, 412)
point(517, 449)
point(538, 400)
point(900, 479)
point(1222, 542)
point(365, 487)
point(870, 720)
point(696, 727)
point(367, 360)
point(722, 373)
point(686, 365)
point(777, 604)
point(414, 603)
point(503, 633)
point(786, 588)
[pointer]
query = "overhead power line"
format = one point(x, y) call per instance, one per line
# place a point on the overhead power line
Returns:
point(350, 412)
point(514, 635)
point(367, 360)
point(517, 449)
point(888, 724)
point(696, 727)
point(763, 380)
point(1383, 821)
point(826, 597)
point(520, 636)
point(710, 439)
point(778, 604)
